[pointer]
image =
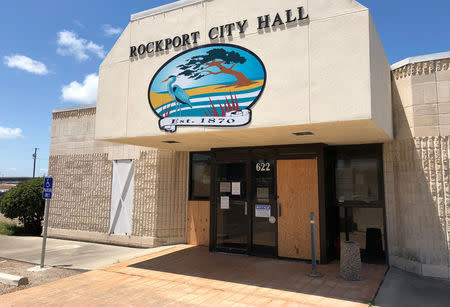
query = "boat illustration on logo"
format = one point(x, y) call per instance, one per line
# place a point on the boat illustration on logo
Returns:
point(213, 85)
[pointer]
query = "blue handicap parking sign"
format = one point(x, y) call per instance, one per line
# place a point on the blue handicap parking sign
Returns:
point(48, 186)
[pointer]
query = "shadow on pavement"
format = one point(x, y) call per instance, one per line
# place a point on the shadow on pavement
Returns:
point(268, 273)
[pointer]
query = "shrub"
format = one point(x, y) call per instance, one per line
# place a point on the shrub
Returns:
point(25, 203)
point(9, 229)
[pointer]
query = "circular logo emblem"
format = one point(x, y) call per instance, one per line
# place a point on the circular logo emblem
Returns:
point(212, 85)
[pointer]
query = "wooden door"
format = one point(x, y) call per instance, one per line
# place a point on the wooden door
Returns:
point(298, 192)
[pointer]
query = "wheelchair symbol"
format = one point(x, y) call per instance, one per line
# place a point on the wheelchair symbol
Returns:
point(48, 183)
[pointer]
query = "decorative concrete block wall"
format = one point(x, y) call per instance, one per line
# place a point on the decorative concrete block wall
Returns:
point(161, 182)
point(82, 171)
point(421, 96)
point(416, 166)
point(82, 192)
point(417, 195)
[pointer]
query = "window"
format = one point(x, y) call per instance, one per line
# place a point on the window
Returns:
point(200, 176)
point(355, 200)
point(365, 226)
point(356, 180)
point(358, 177)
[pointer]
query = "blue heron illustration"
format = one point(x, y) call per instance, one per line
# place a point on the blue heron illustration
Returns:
point(177, 93)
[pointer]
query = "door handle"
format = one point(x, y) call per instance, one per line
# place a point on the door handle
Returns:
point(245, 208)
point(279, 209)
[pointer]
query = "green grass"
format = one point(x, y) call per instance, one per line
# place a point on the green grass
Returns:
point(8, 228)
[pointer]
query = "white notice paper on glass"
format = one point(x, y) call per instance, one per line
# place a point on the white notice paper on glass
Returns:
point(235, 188)
point(224, 202)
point(224, 187)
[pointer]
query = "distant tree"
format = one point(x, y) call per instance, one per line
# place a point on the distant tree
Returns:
point(25, 203)
point(196, 67)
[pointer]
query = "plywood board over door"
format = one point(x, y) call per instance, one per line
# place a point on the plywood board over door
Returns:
point(298, 192)
point(198, 223)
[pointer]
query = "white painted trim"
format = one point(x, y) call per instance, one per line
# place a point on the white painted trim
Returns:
point(87, 106)
point(421, 58)
point(164, 8)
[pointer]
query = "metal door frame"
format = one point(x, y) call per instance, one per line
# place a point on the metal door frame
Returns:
point(215, 210)
point(281, 152)
point(253, 203)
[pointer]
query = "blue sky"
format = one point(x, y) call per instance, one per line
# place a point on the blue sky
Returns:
point(36, 65)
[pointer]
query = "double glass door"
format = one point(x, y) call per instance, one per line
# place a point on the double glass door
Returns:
point(246, 207)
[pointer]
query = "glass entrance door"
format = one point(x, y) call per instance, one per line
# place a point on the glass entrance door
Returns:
point(232, 207)
point(264, 208)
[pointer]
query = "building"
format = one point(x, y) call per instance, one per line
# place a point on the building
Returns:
point(228, 128)
point(7, 183)
point(5, 187)
point(13, 180)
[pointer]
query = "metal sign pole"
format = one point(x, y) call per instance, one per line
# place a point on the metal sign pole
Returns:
point(47, 195)
point(314, 272)
point(44, 234)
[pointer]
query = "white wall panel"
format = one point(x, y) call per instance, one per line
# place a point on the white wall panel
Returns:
point(122, 196)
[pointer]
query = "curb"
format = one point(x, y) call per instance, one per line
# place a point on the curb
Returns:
point(13, 280)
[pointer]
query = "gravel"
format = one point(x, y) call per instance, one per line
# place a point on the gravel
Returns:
point(35, 278)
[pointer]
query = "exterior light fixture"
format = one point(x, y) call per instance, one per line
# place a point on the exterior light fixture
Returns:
point(303, 133)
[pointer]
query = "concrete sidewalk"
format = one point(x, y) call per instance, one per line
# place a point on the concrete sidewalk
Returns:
point(401, 288)
point(69, 254)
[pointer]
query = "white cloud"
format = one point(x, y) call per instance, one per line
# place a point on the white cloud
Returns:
point(70, 44)
point(13, 169)
point(109, 30)
point(25, 63)
point(10, 133)
point(43, 170)
point(81, 93)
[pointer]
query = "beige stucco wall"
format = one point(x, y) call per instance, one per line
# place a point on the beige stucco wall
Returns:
point(417, 179)
point(380, 82)
point(328, 69)
point(82, 172)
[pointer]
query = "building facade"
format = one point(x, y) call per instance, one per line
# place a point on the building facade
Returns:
point(229, 128)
